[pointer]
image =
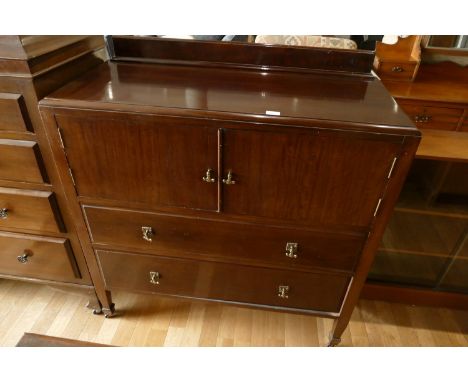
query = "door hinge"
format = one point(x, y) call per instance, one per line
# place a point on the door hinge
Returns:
point(391, 168)
point(61, 138)
point(72, 177)
point(377, 207)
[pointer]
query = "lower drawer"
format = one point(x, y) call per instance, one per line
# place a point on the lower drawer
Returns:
point(429, 117)
point(227, 282)
point(37, 257)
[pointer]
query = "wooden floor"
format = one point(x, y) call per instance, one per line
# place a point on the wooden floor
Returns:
point(147, 320)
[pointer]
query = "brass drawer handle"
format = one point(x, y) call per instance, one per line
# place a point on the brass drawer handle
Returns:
point(422, 118)
point(208, 178)
point(23, 258)
point(154, 278)
point(291, 250)
point(398, 69)
point(229, 179)
point(148, 233)
point(3, 213)
point(283, 291)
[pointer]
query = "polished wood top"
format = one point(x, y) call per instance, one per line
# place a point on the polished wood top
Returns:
point(441, 82)
point(306, 99)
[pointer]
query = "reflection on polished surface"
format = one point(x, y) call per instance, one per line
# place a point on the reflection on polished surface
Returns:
point(297, 95)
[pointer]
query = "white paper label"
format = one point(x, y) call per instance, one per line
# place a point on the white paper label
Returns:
point(272, 112)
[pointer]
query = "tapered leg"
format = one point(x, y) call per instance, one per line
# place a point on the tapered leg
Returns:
point(93, 302)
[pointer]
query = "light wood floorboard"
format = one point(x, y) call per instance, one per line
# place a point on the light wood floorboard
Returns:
point(149, 320)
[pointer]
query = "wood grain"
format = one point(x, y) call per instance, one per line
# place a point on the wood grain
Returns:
point(162, 321)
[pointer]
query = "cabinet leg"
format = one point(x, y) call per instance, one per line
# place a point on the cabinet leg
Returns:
point(339, 326)
point(93, 303)
point(107, 306)
point(334, 341)
point(109, 312)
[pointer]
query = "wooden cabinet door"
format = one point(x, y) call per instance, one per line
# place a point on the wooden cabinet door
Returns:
point(315, 177)
point(160, 161)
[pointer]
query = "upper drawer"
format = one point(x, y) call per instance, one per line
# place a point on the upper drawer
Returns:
point(21, 161)
point(26, 209)
point(13, 114)
point(37, 257)
point(228, 282)
point(230, 241)
point(428, 117)
point(397, 71)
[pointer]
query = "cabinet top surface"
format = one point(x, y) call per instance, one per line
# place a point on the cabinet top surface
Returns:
point(282, 97)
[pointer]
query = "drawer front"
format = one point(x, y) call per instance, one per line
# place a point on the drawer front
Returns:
point(397, 71)
point(226, 240)
point(227, 282)
point(26, 209)
point(21, 161)
point(13, 114)
point(428, 117)
point(464, 126)
point(37, 257)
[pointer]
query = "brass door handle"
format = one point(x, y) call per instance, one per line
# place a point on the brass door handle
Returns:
point(398, 69)
point(23, 258)
point(148, 233)
point(229, 179)
point(208, 178)
point(3, 213)
point(283, 291)
point(154, 278)
point(291, 250)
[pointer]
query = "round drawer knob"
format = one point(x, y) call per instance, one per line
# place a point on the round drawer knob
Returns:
point(3, 213)
point(23, 258)
point(397, 69)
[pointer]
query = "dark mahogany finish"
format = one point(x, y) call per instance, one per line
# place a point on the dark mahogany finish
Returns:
point(21, 161)
point(34, 214)
point(40, 257)
point(30, 210)
point(180, 235)
point(227, 282)
point(161, 156)
point(304, 157)
point(239, 54)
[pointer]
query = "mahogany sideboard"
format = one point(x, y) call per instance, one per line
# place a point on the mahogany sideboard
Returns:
point(38, 241)
point(423, 258)
point(248, 174)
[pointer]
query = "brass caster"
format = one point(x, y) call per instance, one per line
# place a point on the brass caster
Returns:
point(108, 313)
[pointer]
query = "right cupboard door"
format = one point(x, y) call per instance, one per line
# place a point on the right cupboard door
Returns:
point(310, 176)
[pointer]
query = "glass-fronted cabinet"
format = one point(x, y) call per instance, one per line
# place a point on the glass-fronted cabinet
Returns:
point(426, 242)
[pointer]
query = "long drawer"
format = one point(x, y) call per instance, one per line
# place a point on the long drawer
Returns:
point(37, 257)
point(28, 209)
point(21, 161)
point(227, 282)
point(221, 239)
point(428, 117)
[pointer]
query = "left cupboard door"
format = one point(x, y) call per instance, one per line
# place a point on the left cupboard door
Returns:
point(157, 161)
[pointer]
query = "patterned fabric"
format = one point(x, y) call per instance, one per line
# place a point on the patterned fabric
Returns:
point(304, 40)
